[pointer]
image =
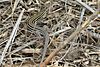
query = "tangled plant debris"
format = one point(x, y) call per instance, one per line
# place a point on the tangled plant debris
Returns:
point(54, 33)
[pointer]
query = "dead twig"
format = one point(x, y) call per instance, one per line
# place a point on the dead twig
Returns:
point(72, 36)
point(86, 6)
point(22, 47)
point(12, 37)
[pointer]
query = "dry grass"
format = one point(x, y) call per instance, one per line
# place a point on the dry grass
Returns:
point(64, 18)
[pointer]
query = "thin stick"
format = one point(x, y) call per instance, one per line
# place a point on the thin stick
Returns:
point(99, 5)
point(15, 5)
point(12, 37)
point(82, 14)
point(86, 6)
point(72, 36)
point(99, 8)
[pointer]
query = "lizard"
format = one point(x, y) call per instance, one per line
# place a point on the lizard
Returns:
point(30, 24)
